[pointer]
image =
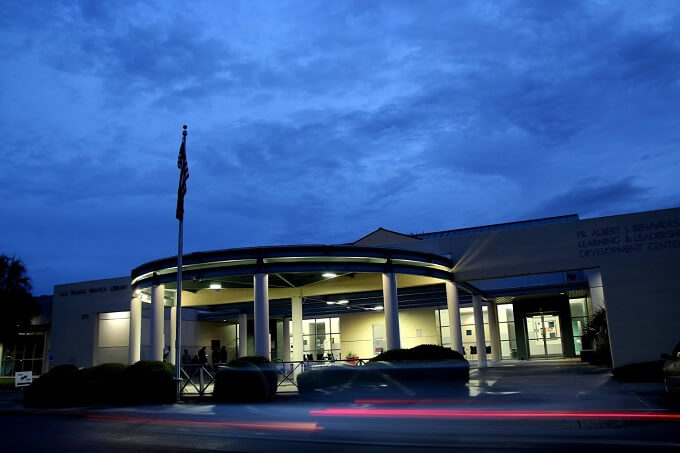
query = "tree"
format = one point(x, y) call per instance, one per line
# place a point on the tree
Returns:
point(17, 305)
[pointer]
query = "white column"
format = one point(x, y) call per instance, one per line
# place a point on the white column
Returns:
point(596, 289)
point(494, 332)
point(135, 342)
point(157, 321)
point(286, 339)
point(296, 310)
point(261, 296)
point(173, 331)
point(453, 306)
point(479, 330)
point(392, 336)
point(243, 335)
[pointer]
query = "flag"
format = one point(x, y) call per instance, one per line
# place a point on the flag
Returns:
point(183, 176)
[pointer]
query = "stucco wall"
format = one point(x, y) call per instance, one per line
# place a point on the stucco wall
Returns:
point(356, 330)
point(75, 317)
point(638, 256)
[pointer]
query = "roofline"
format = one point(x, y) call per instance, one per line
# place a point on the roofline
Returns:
point(389, 231)
point(516, 222)
point(300, 258)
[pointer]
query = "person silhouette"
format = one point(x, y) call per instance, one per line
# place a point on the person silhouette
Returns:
point(202, 356)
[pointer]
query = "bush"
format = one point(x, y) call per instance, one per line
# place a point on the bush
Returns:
point(150, 382)
point(110, 383)
point(595, 335)
point(432, 366)
point(56, 388)
point(247, 379)
point(101, 384)
point(327, 378)
point(423, 352)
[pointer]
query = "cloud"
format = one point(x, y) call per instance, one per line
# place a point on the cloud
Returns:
point(590, 198)
point(318, 122)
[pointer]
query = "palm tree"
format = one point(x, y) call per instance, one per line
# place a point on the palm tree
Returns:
point(17, 305)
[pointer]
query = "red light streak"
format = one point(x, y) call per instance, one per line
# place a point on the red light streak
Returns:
point(411, 401)
point(277, 426)
point(495, 414)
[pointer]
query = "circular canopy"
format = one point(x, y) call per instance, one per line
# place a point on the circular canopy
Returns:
point(294, 265)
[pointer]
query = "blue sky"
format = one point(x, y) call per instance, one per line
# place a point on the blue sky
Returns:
point(317, 122)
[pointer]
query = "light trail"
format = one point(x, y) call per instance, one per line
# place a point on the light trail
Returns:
point(489, 414)
point(275, 426)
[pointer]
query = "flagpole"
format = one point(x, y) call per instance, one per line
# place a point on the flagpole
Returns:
point(178, 308)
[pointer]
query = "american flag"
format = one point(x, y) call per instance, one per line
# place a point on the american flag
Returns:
point(183, 176)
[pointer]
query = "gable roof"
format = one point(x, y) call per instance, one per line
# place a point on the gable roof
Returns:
point(383, 236)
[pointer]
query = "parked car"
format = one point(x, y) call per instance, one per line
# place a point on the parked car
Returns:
point(671, 371)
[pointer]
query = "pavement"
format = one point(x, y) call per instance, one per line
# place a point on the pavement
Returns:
point(512, 403)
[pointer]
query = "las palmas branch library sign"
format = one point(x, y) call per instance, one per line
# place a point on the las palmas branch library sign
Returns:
point(631, 238)
point(98, 289)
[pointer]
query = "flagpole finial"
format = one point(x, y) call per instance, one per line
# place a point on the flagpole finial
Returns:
point(184, 132)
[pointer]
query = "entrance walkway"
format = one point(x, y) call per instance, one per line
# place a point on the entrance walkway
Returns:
point(563, 383)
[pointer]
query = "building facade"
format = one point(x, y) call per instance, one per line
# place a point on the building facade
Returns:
point(520, 290)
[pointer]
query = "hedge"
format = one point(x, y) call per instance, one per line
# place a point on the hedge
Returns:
point(56, 388)
point(110, 383)
point(435, 368)
point(150, 381)
point(247, 379)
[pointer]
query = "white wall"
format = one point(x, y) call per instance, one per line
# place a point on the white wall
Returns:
point(356, 330)
point(75, 312)
point(639, 274)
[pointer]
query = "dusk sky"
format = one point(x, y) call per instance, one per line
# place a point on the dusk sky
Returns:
point(320, 121)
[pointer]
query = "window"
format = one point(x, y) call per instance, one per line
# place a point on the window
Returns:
point(579, 317)
point(26, 354)
point(320, 338)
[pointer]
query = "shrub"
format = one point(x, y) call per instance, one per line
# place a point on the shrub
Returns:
point(56, 388)
point(149, 381)
point(595, 336)
point(434, 367)
point(423, 352)
point(257, 360)
point(246, 379)
point(66, 385)
point(329, 377)
point(101, 384)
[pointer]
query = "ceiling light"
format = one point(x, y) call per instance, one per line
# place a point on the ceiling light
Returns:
point(342, 302)
point(378, 307)
point(329, 275)
point(330, 302)
point(216, 285)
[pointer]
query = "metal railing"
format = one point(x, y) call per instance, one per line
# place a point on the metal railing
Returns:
point(289, 371)
point(199, 379)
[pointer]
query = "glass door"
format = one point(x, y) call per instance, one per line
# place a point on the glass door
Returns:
point(544, 334)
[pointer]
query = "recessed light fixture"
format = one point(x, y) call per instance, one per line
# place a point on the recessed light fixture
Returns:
point(378, 307)
point(329, 275)
point(216, 285)
point(340, 302)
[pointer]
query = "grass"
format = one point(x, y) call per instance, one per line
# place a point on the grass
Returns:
point(7, 382)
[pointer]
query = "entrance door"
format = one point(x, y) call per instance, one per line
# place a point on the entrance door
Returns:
point(544, 334)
